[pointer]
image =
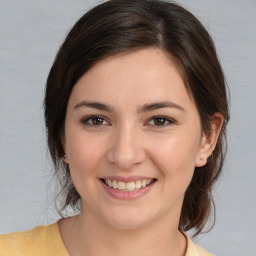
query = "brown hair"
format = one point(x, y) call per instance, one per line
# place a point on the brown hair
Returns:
point(120, 26)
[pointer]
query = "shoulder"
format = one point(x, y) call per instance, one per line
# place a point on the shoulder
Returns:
point(41, 240)
point(194, 249)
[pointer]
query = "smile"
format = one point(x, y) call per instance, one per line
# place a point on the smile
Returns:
point(128, 186)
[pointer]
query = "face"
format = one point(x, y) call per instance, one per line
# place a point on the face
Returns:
point(132, 139)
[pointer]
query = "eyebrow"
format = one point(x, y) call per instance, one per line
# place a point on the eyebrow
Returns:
point(144, 108)
point(94, 105)
point(157, 105)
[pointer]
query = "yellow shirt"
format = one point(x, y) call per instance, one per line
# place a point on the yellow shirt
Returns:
point(46, 241)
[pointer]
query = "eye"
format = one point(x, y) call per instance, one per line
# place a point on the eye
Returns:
point(95, 121)
point(160, 121)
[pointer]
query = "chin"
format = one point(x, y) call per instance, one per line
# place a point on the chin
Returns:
point(126, 224)
point(128, 220)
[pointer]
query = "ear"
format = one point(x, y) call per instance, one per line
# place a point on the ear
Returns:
point(209, 141)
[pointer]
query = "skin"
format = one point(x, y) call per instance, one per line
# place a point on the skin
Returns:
point(128, 140)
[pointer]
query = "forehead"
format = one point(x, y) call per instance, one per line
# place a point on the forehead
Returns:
point(144, 75)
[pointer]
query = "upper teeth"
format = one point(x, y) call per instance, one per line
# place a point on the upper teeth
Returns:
point(128, 186)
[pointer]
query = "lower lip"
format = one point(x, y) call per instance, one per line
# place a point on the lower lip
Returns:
point(127, 195)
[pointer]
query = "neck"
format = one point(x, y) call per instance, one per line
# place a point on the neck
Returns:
point(87, 235)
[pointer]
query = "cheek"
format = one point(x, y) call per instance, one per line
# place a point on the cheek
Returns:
point(84, 153)
point(85, 156)
point(175, 157)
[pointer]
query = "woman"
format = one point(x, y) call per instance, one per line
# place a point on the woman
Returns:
point(136, 113)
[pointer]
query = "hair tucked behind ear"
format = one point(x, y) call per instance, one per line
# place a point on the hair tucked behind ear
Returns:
point(120, 26)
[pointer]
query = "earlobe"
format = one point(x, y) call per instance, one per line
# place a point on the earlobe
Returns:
point(65, 156)
point(201, 161)
point(65, 159)
point(209, 140)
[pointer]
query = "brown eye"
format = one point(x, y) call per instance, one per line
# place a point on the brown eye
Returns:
point(159, 121)
point(95, 121)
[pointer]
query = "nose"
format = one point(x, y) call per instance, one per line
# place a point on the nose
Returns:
point(126, 148)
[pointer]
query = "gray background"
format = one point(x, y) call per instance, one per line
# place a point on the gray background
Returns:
point(30, 34)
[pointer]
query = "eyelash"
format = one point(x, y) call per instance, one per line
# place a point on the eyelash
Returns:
point(86, 120)
point(165, 119)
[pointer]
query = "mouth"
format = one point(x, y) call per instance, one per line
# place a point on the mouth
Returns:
point(128, 186)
